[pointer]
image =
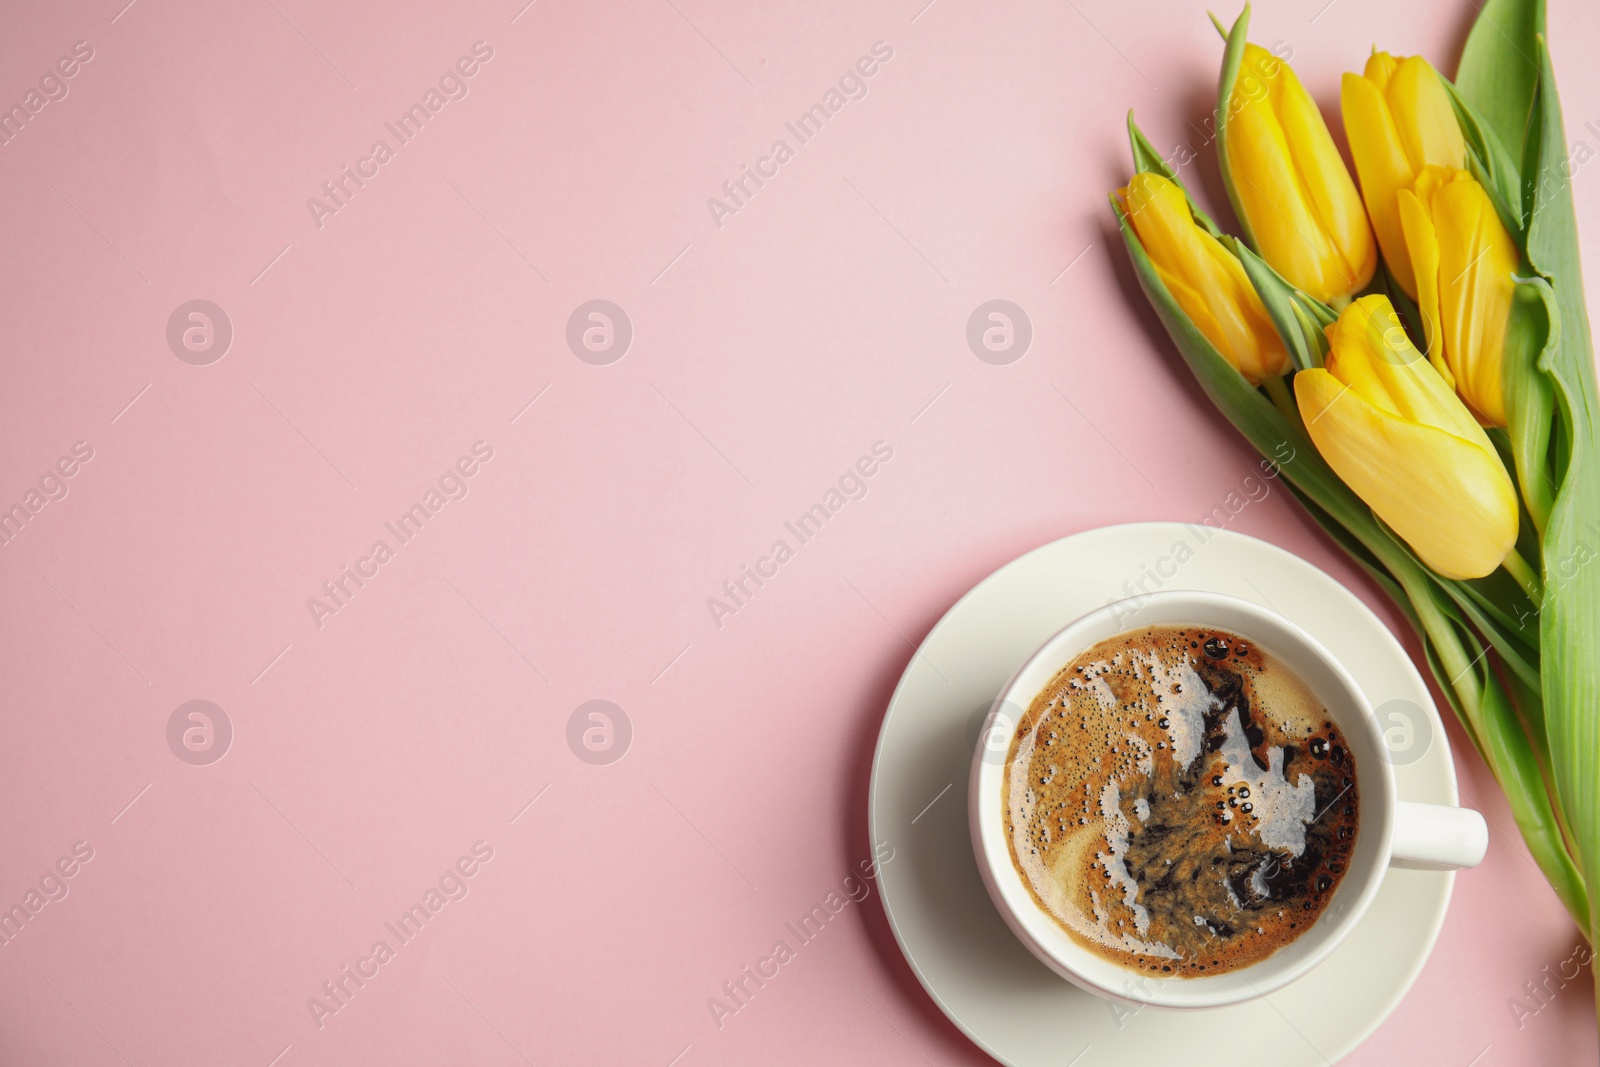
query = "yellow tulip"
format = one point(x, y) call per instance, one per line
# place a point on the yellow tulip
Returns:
point(1398, 120)
point(1464, 261)
point(1397, 435)
point(1204, 278)
point(1290, 184)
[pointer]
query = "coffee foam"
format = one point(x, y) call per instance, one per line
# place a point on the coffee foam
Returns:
point(1178, 801)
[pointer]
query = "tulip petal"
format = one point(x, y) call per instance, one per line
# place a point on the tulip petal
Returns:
point(1382, 165)
point(1325, 180)
point(1477, 259)
point(1369, 340)
point(1422, 246)
point(1428, 125)
point(1465, 261)
point(1353, 355)
point(1290, 184)
point(1449, 499)
point(1204, 278)
point(1268, 187)
point(1380, 68)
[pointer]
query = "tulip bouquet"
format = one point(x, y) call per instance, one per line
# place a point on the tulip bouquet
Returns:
point(1417, 344)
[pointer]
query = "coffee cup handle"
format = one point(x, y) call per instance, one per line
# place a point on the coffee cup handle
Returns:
point(1437, 837)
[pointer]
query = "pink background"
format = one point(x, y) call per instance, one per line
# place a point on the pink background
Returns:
point(768, 354)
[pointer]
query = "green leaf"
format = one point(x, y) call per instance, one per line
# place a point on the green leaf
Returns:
point(1530, 707)
point(1232, 57)
point(1490, 161)
point(1570, 630)
point(1358, 552)
point(1503, 742)
point(1532, 807)
point(1503, 639)
point(1321, 314)
point(1146, 160)
point(1500, 597)
point(1313, 327)
point(1301, 336)
point(1495, 605)
point(1533, 332)
point(1499, 72)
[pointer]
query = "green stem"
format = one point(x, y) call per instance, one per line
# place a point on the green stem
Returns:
point(1530, 704)
point(1447, 643)
point(1490, 718)
point(1518, 568)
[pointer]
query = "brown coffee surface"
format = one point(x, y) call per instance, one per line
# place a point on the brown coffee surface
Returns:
point(1179, 801)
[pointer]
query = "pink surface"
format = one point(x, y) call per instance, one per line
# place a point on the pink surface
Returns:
point(374, 746)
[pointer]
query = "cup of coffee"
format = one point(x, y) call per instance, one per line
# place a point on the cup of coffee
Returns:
point(1195, 810)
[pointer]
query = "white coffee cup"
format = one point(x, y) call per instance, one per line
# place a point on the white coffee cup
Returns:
point(1389, 831)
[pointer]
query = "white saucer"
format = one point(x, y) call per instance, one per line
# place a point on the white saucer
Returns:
point(969, 962)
